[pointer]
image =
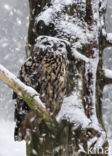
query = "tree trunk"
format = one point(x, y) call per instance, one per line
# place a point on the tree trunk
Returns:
point(78, 23)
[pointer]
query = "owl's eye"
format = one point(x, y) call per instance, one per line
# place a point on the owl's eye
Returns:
point(61, 45)
point(47, 43)
point(51, 26)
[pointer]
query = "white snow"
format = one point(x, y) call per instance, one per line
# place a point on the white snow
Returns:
point(63, 2)
point(8, 147)
point(18, 21)
point(109, 37)
point(10, 10)
point(73, 111)
point(75, 31)
point(68, 27)
point(98, 141)
point(79, 55)
point(7, 7)
point(108, 73)
point(49, 13)
point(47, 16)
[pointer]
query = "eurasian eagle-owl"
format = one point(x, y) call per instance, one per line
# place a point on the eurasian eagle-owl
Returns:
point(45, 71)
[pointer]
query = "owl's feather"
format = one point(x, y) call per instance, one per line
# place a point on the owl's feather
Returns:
point(45, 71)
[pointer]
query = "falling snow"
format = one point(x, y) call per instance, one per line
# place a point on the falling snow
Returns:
point(13, 30)
point(14, 22)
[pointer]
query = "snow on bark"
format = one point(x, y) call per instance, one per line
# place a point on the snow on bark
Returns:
point(102, 10)
point(108, 73)
point(79, 56)
point(70, 105)
point(49, 14)
point(90, 99)
point(92, 53)
point(69, 26)
point(109, 38)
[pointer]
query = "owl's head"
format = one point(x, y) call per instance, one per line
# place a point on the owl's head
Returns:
point(57, 46)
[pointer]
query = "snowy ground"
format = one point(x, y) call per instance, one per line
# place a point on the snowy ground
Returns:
point(8, 147)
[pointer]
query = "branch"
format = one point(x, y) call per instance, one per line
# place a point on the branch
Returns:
point(107, 37)
point(79, 56)
point(28, 94)
point(107, 76)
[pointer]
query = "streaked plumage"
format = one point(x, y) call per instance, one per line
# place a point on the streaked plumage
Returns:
point(45, 71)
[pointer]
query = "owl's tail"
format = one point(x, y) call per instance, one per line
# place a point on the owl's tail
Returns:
point(25, 128)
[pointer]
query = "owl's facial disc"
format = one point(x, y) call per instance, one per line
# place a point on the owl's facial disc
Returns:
point(57, 46)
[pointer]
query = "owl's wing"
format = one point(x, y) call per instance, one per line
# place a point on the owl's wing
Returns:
point(29, 74)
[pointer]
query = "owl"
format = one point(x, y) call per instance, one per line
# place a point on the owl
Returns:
point(45, 71)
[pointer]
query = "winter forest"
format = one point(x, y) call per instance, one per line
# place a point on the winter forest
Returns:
point(83, 125)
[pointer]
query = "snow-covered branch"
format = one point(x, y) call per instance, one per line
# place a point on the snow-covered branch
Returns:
point(108, 39)
point(28, 94)
point(107, 76)
point(79, 56)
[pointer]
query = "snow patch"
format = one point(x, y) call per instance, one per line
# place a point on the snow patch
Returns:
point(79, 55)
point(73, 111)
point(109, 37)
point(46, 15)
point(108, 73)
point(7, 143)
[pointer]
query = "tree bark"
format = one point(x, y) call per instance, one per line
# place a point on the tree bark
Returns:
point(78, 23)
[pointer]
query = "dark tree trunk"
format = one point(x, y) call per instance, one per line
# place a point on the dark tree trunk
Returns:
point(85, 76)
